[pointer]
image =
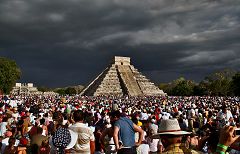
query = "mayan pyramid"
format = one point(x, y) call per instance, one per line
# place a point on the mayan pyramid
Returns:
point(121, 78)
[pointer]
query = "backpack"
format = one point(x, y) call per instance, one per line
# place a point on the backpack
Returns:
point(61, 138)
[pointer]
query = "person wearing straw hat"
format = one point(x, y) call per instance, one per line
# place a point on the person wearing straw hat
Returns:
point(171, 137)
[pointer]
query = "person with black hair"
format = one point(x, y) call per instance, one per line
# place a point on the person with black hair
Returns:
point(44, 127)
point(107, 140)
point(98, 145)
point(10, 149)
point(124, 134)
point(86, 140)
point(225, 115)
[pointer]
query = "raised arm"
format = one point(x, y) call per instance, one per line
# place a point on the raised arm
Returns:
point(227, 137)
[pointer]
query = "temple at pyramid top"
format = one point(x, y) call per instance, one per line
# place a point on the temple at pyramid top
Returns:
point(121, 78)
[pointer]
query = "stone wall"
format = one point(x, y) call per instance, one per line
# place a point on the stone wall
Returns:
point(122, 60)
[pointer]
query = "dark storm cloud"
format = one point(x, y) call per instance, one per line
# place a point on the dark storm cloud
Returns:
point(59, 43)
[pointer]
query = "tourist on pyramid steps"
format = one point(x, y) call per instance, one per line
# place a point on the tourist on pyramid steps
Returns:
point(124, 134)
point(86, 140)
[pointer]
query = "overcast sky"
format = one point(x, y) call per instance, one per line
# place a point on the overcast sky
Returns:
point(58, 43)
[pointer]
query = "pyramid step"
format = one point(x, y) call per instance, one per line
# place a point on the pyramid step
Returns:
point(121, 78)
point(129, 80)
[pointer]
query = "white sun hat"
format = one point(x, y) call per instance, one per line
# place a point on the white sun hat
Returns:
point(74, 137)
point(170, 127)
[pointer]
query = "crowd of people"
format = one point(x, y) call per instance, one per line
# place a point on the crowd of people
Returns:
point(38, 124)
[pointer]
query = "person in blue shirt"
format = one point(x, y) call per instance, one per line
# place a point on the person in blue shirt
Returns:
point(124, 134)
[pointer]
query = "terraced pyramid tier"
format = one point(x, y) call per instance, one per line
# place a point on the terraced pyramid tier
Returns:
point(121, 78)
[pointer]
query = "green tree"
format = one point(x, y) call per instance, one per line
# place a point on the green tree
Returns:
point(183, 87)
point(219, 83)
point(236, 84)
point(70, 91)
point(9, 74)
point(166, 87)
point(60, 91)
point(198, 90)
point(179, 87)
point(44, 89)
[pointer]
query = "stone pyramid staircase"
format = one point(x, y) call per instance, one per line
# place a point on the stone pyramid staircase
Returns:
point(129, 80)
point(121, 78)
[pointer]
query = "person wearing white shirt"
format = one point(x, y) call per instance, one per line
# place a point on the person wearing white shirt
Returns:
point(225, 113)
point(86, 140)
point(144, 115)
